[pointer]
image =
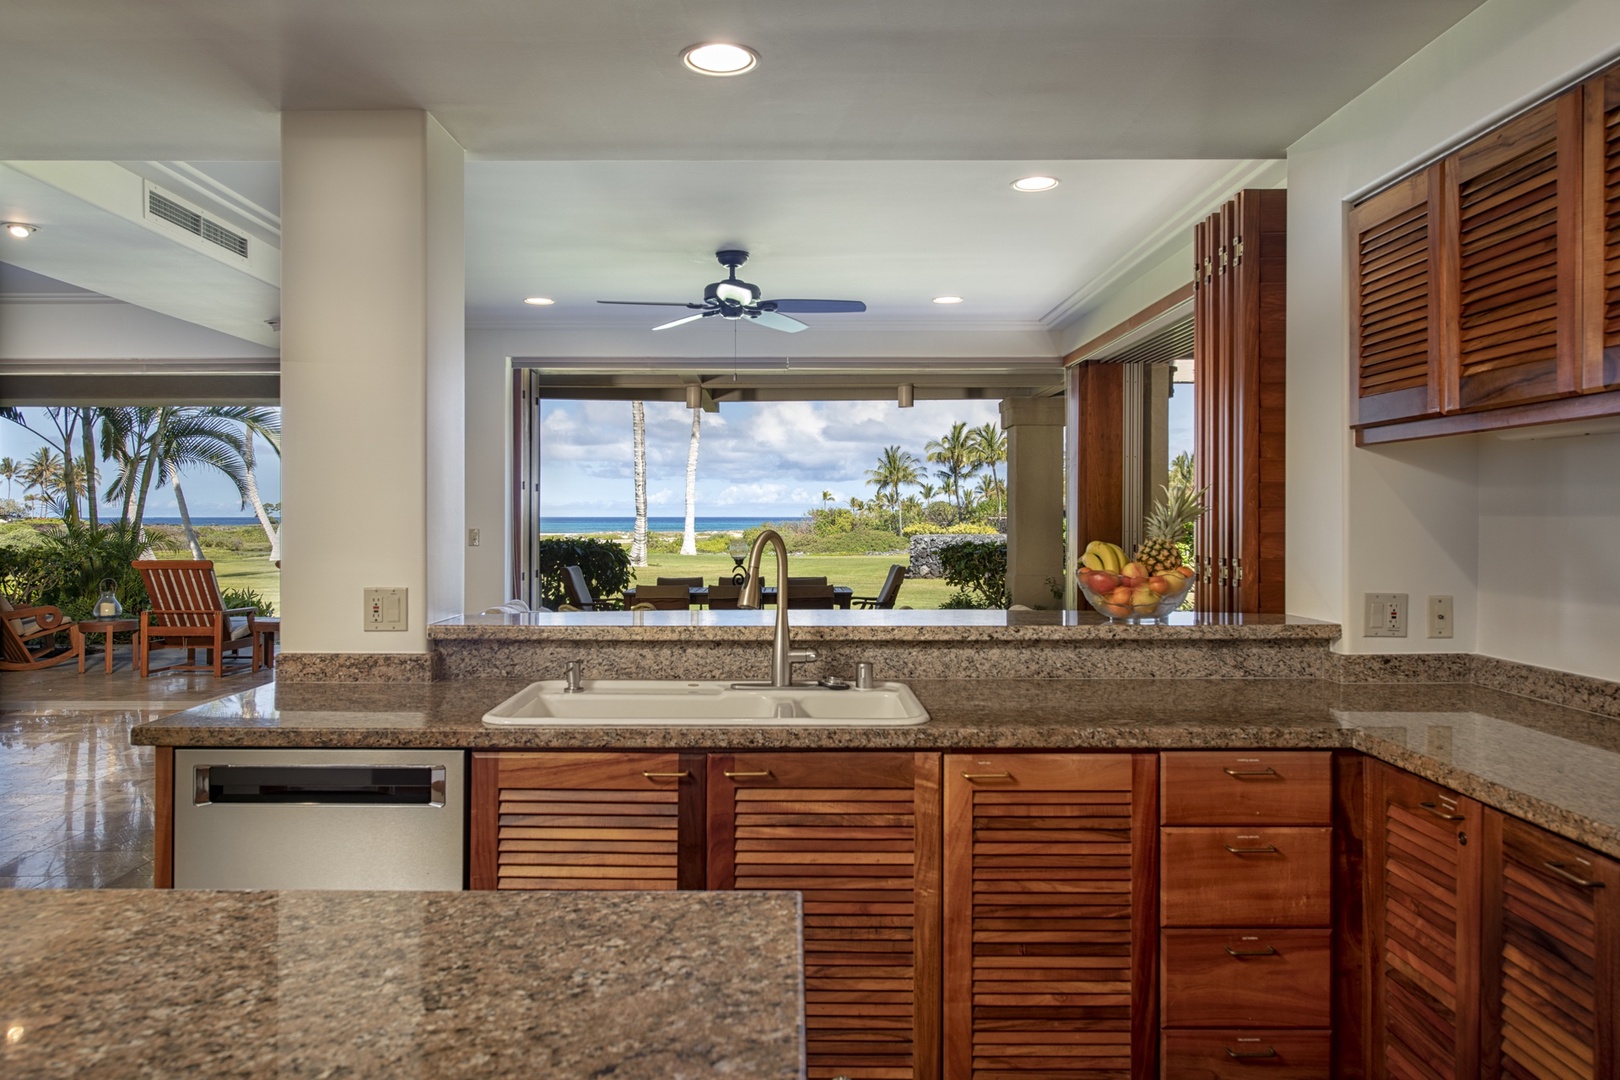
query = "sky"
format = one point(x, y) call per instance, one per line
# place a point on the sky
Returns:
point(208, 493)
point(760, 459)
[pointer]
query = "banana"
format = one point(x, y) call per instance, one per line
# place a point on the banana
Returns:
point(1092, 561)
point(1110, 557)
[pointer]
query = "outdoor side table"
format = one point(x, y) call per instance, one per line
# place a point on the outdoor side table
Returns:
point(268, 630)
point(109, 627)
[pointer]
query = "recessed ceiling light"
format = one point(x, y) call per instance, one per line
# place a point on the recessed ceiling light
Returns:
point(1035, 183)
point(18, 229)
point(719, 58)
point(947, 299)
point(539, 301)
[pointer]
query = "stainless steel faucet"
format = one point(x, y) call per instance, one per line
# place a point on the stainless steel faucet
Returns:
point(783, 655)
point(574, 677)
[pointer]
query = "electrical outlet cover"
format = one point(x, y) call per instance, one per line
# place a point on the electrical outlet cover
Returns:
point(1440, 622)
point(1386, 615)
point(385, 609)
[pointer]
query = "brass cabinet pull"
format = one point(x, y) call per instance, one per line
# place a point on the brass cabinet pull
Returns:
point(1267, 771)
point(987, 776)
point(682, 775)
point(1269, 950)
point(1434, 808)
point(1268, 849)
point(747, 775)
point(1268, 1052)
point(1574, 879)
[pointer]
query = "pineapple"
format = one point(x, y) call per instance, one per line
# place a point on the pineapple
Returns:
point(1164, 525)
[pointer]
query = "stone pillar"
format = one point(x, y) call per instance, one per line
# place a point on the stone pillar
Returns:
point(1034, 429)
point(372, 376)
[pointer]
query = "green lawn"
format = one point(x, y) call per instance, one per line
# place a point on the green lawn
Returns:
point(863, 573)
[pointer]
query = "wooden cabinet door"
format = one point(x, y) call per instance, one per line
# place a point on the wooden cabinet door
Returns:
point(1600, 225)
point(587, 821)
point(1397, 262)
point(1424, 868)
point(858, 834)
point(1050, 916)
point(1552, 956)
point(1516, 196)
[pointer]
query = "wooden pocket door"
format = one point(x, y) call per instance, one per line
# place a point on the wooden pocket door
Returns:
point(1049, 939)
point(858, 835)
point(593, 821)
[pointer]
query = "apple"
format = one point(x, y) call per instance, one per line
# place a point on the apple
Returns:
point(1100, 582)
point(1160, 584)
point(1144, 597)
point(1118, 611)
point(1134, 574)
point(1121, 595)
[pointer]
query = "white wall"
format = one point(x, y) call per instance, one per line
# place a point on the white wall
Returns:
point(98, 328)
point(1438, 516)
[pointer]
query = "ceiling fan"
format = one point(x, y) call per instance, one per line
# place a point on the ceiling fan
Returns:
point(735, 299)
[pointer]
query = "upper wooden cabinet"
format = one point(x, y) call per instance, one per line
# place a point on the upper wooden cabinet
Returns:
point(1487, 286)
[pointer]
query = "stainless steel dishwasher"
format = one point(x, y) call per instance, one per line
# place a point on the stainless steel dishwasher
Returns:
point(319, 819)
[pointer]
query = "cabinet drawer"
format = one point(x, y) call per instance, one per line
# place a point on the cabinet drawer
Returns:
point(1246, 978)
point(1276, 1055)
point(1246, 787)
point(1245, 877)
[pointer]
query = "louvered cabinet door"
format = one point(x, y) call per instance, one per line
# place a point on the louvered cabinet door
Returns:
point(1600, 191)
point(858, 835)
point(1424, 859)
point(589, 821)
point(1050, 916)
point(1552, 957)
point(1517, 227)
point(1395, 238)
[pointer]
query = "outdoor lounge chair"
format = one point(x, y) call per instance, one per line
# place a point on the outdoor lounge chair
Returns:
point(579, 593)
point(187, 613)
point(37, 624)
point(884, 600)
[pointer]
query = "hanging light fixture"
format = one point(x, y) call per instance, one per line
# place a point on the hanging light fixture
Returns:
point(908, 396)
point(694, 395)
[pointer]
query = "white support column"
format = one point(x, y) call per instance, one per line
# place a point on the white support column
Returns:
point(1034, 429)
point(372, 375)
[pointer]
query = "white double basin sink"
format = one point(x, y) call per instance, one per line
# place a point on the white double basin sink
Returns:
point(698, 703)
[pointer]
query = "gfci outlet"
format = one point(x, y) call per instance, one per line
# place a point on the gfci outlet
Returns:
point(385, 609)
point(1439, 616)
point(1386, 614)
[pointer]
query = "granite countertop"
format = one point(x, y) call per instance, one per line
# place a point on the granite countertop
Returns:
point(1555, 766)
point(888, 626)
point(637, 986)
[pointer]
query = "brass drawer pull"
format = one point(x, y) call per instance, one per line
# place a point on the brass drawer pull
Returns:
point(1573, 879)
point(1269, 950)
point(1268, 1052)
point(987, 776)
point(684, 774)
point(748, 775)
point(1268, 849)
point(1267, 771)
point(1434, 808)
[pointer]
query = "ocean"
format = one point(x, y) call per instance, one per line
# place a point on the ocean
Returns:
point(150, 520)
point(654, 524)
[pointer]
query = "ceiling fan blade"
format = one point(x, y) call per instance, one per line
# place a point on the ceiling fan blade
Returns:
point(650, 303)
point(677, 322)
point(779, 322)
point(812, 306)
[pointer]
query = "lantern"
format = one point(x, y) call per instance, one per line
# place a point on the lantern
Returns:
point(107, 605)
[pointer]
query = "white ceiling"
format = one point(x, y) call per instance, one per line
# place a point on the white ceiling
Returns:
point(855, 79)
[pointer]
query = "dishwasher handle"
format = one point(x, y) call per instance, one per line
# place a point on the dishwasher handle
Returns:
point(319, 785)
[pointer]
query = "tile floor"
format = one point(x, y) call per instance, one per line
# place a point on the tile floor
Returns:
point(76, 804)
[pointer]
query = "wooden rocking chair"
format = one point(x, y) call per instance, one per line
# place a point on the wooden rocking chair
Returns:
point(19, 626)
point(187, 613)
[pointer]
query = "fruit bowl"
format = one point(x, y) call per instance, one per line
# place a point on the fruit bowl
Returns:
point(1134, 595)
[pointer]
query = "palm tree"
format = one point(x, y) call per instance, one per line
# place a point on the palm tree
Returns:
point(638, 539)
point(43, 471)
point(927, 492)
point(1181, 472)
point(991, 489)
point(895, 468)
point(11, 468)
point(955, 452)
point(251, 429)
point(826, 497)
point(989, 445)
point(689, 537)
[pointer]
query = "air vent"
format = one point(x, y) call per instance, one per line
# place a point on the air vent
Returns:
point(166, 209)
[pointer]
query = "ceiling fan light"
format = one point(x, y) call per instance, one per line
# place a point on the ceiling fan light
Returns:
point(1035, 183)
point(18, 229)
point(947, 299)
point(719, 58)
point(539, 301)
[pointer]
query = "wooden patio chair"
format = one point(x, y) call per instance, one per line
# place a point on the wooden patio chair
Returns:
point(693, 582)
point(663, 597)
point(19, 626)
point(809, 597)
point(884, 600)
point(187, 613)
point(804, 582)
point(579, 593)
point(723, 597)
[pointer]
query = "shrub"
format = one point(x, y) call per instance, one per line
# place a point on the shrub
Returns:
point(961, 528)
point(718, 544)
point(67, 568)
point(240, 598)
point(979, 572)
point(605, 563)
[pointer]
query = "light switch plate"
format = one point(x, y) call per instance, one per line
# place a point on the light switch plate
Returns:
point(1386, 615)
point(385, 609)
point(474, 538)
point(1439, 616)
